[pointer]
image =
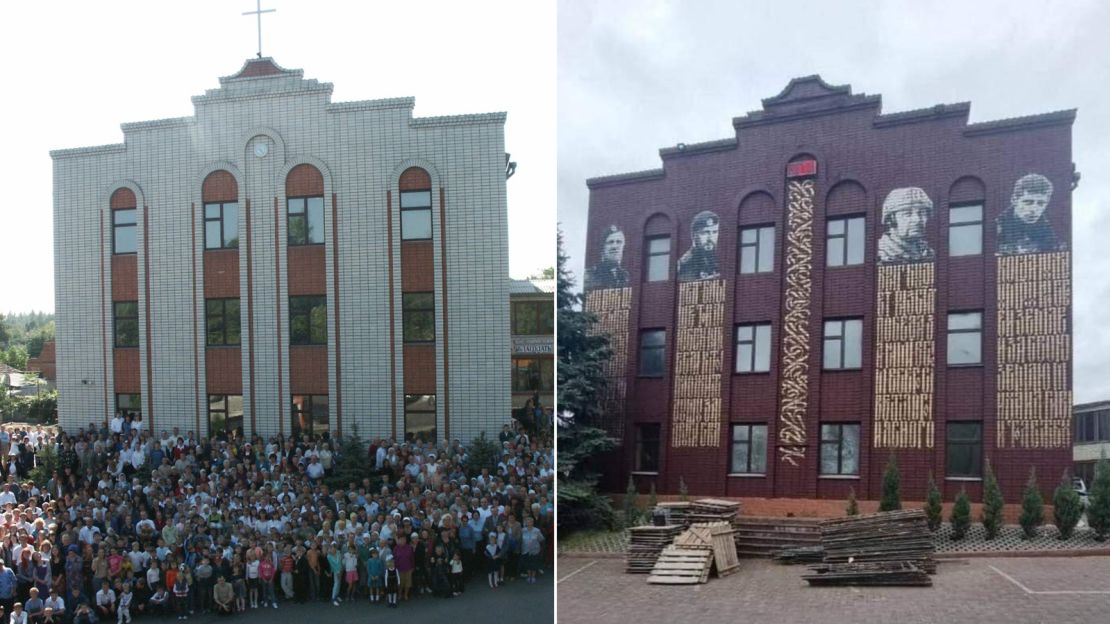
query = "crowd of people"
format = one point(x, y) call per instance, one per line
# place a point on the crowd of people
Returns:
point(123, 523)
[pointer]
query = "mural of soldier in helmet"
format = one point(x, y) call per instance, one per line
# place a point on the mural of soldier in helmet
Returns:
point(608, 272)
point(906, 214)
point(700, 261)
point(1023, 228)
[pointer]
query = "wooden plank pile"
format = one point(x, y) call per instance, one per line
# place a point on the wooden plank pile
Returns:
point(682, 566)
point(675, 512)
point(890, 536)
point(800, 554)
point(763, 537)
point(875, 573)
point(713, 510)
point(714, 536)
point(644, 545)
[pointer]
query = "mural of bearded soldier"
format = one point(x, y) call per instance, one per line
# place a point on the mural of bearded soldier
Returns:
point(608, 273)
point(906, 214)
point(700, 261)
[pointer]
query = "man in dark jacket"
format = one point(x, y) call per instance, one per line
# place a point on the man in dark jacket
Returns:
point(1023, 228)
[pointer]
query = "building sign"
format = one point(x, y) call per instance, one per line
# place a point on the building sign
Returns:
point(610, 306)
point(531, 345)
point(699, 338)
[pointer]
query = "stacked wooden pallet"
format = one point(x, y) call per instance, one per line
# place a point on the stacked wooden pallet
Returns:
point(645, 544)
point(800, 554)
point(713, 510)
point(682, 566)
point(763, 537)
point(875, 573)
point(885, 537)
point(675, 512)
point(714, 536)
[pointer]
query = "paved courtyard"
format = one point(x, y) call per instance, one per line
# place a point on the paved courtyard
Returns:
point(982, 590)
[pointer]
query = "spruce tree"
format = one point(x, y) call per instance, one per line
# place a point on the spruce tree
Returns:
point(631, 504)
point(652, 499)
point(1098, 511)
point(1032, 507)
point(853, 506)
point(961, 515)
point(1067, 509)
point(683, 491)
point(892, 498)
point(993, 504)
point(934, 509)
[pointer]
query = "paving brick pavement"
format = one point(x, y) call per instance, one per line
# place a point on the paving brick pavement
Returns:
point(980, 590)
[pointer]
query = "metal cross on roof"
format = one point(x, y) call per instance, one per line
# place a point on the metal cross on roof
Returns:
point(258, 11)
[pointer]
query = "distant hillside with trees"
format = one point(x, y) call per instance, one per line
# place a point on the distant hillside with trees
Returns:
point(22, 336)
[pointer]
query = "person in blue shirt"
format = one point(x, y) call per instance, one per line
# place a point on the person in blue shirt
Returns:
point(8, 583)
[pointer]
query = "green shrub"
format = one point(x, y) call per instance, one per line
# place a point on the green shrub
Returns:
point(961, 515)
point(1032, 507)
point(631, 504)
point(683, 492)
point(892, 497)
point(1067, 509)
point(1098, 511)
point(993, 504)
point(934, 509)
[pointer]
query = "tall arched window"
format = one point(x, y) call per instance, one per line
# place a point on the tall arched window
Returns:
point(124, 236)
point(220, 193)
point(304, 199)
point(416, 204)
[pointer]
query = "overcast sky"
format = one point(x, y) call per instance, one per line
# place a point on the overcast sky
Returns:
point(635, 76)
point(76, 70)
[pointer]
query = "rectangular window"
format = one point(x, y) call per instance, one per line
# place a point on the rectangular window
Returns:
point(306, 220)
point(310, 414)
point(749, 449)
point(965, 230)
point(222, 322)
point(965, 338)
point(126, 323)
point(843, 344)
point(129, 405)
point(653, 347)
point(647, 447)
point(844, 243)
point(840, 449)
point(658, 259)
point(965, 449)
point(124, 236)
point(533, 375)
point(757, 249)
point(221, 226)
point(753, 348)
point(533, 317)
point(420, 418)
point(225, 414)
point(416, 215)
point(308, 320)
point(418, 317)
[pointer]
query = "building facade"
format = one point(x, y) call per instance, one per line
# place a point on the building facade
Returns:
point(1092, 438)
point(790, 306)
point(532, 311)
point(284, 263)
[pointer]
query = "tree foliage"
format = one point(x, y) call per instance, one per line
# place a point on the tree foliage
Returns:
point(582, 357)
point(992, 504)
point(934, 507)
point(1067, 509)
point(1032, 507)
point(482, 452)
point(28, 331)
point(892, 498)
point(352, 463)
point(1098, 511)
point(631, 504)
point(961, 515)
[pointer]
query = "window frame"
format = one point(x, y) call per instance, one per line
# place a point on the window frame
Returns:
point(948, 338)
point(224, 206)
point(750, 444)
point(662, 348)
point(307, 315)
point(542, 368)
point(312, 402)
point(129, 409)
point(839, 427)
point(543, 320)
point(225, 409)
point(640, 440)
point(116, 318)
point(842, 339)
point(224, 323)
point(649, 254)
point(754, 342)
point(409, 313)
point(304, 215)
point(404, 209)
point(966, 224)
point(976, 446)
point(424, 412)
point(116, 227)
point(761, 232)
point(847, 239)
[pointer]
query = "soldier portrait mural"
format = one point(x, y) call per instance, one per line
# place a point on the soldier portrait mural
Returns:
point(906, 214)
point(700, 261)
point(1024, 228)
point(609, 272)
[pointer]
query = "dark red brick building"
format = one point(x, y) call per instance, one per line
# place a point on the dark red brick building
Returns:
point(791, 305)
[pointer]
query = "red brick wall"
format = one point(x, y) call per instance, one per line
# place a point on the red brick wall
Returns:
point(308, 369)
point(303, 181)
point(417, 274)
point(223, 370)
point(126, 362)
point(307, 270)
point(414, 179)
point(221, 274)
point(220, 186)
point(420, 368)
point(125, 277)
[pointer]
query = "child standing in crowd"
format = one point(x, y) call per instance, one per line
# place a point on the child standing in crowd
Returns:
point(335, 567)
point(266, 572)
point(252, 578)
point(124, 609)
point(181, 595)
point(492, 553)
point(456, 574)
point(392, 583)
point(350, 570)
point(375, 572)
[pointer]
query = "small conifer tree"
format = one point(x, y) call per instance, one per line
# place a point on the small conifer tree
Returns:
point(683, 492)
point(853, 506)
point(652, 499)
point(1098, 511)
point(934, 509)
point(993, 504)
point(892, 497)
point(1032, 507)
point(1067, 509)
point(631, 504)
point(961, 515)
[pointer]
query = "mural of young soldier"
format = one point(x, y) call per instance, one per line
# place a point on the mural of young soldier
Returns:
point(906, 214)
point(1024, 228)
point(700, 261)
point(608, 273)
